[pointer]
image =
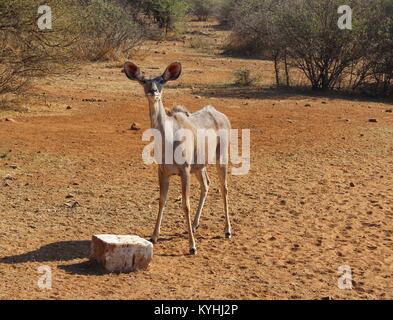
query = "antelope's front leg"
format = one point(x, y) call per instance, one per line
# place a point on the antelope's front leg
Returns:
point(185, 182)
point(164, 187)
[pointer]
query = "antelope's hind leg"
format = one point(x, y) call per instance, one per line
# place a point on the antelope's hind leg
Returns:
point(223, 177)
point(204, 182)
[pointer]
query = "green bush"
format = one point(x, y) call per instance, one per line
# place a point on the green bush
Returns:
point(169, 14)
point(203, 44)
point(304, 34)
point(204, 8)
point(243, 77)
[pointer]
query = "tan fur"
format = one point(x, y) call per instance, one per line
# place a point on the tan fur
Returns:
point(207, 118)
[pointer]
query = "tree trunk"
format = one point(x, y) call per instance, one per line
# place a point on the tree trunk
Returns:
point(286, 68)
point(276, 68)
point(325, 75)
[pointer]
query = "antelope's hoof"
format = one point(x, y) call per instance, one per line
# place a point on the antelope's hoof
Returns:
point(193, 251)
point(195, 228)
point(228, 234)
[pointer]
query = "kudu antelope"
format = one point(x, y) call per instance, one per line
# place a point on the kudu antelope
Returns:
point(180, 118)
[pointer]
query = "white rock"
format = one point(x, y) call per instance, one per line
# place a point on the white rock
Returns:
point(121, 253)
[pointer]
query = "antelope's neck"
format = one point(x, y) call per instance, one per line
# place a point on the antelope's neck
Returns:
point(157, 114)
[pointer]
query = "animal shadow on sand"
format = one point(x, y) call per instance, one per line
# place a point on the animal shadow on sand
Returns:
point(60, 251)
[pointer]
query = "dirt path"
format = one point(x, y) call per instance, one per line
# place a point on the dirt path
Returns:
point(319, 194)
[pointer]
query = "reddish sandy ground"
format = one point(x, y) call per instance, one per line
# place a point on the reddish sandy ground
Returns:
point(319, 194)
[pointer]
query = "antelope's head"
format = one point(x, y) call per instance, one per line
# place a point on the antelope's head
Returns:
point(153, 86)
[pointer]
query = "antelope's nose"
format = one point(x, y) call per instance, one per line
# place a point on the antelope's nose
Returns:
point(153, 90)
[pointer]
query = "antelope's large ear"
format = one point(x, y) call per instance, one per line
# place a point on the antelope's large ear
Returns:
point(133, 72)
point(172, 72)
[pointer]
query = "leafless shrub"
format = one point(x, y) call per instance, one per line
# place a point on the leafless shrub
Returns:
point(25, 51)
point(105, 31)
point(12, 105)
point(91, 30)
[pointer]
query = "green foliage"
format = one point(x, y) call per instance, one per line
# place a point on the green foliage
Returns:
point(225, 11)
point(253, 25)
point(375, 76)
point(204, 8)
point(243, 77)
point(203, 44)
point(313, 40)
point(169, 14)
point(304, 34)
